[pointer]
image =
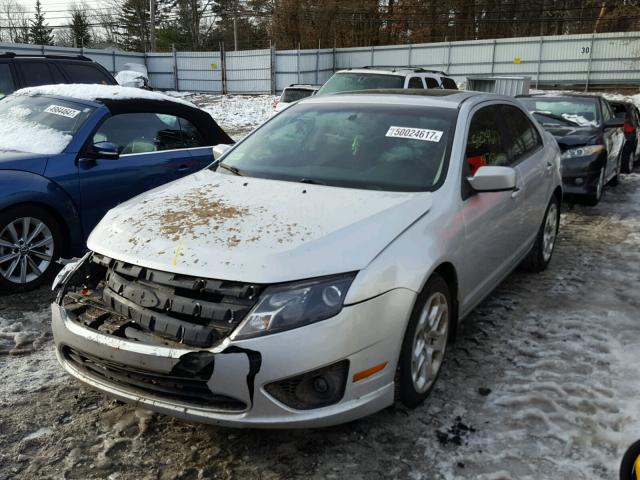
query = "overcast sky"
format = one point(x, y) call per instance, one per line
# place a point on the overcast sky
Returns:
point(56, 11)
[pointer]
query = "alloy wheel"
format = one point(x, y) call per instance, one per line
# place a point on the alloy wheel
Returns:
point(550, 231)
point(429, 342)
point(26, 250)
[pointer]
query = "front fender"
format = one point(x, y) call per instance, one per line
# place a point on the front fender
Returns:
point(18, 187)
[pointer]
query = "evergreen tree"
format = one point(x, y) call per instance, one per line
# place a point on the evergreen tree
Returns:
point(39, 32)
point(79, 27)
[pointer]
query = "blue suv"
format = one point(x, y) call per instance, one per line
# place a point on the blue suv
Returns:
point(69, 153)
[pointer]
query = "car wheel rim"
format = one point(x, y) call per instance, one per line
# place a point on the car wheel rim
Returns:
point(429, 342)
point(26, 250)
point(550, 232)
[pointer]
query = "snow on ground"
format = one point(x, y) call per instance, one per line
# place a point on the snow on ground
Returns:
point(234, 113)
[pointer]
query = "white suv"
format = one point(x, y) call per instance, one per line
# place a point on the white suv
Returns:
point(369, 78)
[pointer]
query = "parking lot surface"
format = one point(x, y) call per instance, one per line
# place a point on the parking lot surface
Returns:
point(541, 383)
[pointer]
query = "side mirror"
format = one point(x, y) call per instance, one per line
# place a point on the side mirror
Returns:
point(219, 150)
point(105, 150)
point(617, 122)
point(493, 179)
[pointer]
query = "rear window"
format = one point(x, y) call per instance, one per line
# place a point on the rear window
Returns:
point(6, 81)
point(294, 94)
point(449, 84)
point(86, 73)
point(431, 82)
point(618, 109)
point(346, 82)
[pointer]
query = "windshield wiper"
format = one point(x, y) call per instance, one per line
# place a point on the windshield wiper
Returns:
point(560, 118)
point(231, 169)
point(311, 181)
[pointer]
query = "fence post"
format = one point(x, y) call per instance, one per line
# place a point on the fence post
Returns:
point(176, 81)
point(410, 50)
point(298, 62)
point(223, 66)
point(448, 57)
point(113, 60)
point(372, 52)
point(42, 48)
point(493, 56)
point(586, 86)
point(274, 73)
point(539, 60)
point(333, 66)
point(317, 63)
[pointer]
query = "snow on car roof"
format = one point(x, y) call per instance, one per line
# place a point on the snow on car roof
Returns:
point(99, 92)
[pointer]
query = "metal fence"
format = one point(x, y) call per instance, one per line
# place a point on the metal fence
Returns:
point(590, 60)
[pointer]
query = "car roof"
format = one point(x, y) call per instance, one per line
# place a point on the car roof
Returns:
point(558, 95)
point(306, 86)
point(31, 56)
point(391, 70)
point(410, 97)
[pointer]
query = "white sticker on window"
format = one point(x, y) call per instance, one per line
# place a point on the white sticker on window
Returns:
point(62, 111)
point(423, 134)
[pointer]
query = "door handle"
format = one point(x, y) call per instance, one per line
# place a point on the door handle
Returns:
point(184, 169)
point(516, 193)
point(549, 167)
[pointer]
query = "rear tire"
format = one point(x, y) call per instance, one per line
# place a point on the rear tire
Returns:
point(30, 244)
point(540, 255)
point(425, 343)
point(629, 462)
point(594, 198)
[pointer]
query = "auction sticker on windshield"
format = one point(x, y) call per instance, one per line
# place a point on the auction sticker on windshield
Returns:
point(415, 133)
point(62, 111)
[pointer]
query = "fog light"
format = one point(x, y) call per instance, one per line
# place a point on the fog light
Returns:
point(315, 389)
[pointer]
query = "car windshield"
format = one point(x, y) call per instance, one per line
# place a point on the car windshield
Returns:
point(579, 111)
point(347, 82)
point(294, 94)
point(39, 124)
point(376, 147)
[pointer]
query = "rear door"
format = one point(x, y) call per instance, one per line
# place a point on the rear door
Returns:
point(492, 219)
point(613, 139)
point(152, 153)
point(534, 168)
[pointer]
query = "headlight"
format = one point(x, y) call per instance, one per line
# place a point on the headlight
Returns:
point(294, 305)
point(582, 151)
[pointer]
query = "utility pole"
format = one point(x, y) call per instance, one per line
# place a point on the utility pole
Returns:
point(235, 34)
point(152, 24)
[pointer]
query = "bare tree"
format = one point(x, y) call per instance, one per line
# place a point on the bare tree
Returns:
point(14, 21)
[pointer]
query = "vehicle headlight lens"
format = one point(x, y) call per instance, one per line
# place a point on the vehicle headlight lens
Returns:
point(582, 151)
point(294, 305)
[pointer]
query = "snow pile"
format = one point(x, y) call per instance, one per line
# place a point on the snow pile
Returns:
point(233, 112)
point(22, 136)
point(96, 92)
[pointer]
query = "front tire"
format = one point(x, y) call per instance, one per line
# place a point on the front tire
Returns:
point(540, 255)
point(30, 242)
point(593, 199)
point(425, 343)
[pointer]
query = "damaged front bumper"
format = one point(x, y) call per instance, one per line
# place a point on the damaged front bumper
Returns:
point(257, 382)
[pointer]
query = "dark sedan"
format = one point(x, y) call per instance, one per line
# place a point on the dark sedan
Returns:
point(590, 137)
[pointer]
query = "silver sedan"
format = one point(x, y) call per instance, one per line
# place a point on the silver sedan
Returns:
point(316, 272)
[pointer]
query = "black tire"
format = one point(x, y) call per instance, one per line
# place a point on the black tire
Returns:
point(10, 215)
point(405, 389)
point(594, 198)
point(537, 260)
point(628, 464)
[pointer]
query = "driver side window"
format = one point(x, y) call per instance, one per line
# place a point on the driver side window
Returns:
point(485, 145)
point(136, 133)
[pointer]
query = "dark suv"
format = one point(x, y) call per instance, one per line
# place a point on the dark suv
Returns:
point(19, 71)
